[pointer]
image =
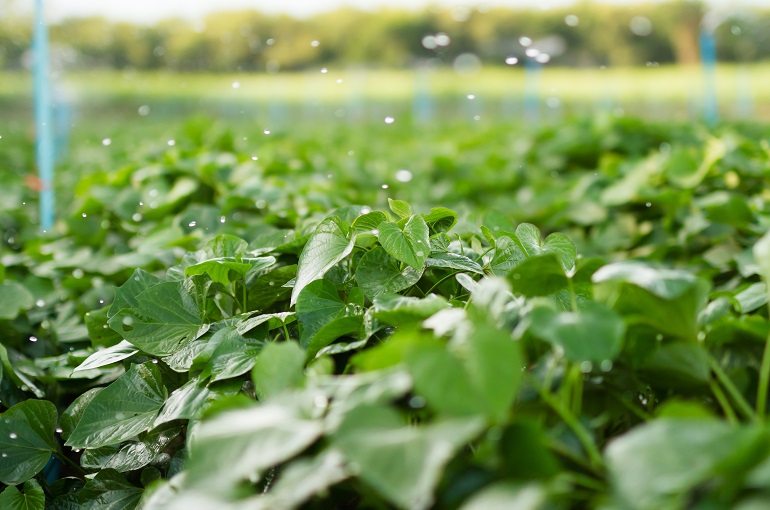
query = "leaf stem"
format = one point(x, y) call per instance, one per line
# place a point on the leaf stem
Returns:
point(731, 390)
point(764, 380)
point(286, 331)
point(442, 280)
point(573, 423)
point(723, 402)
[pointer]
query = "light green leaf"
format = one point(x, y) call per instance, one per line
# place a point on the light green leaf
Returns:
point(326, 247)
point(378, 273)
point(166, 317)
point(593, 334)
point(33, 497)
point(124, 409)
point(368, 223)
point(109, 490)
point(556, 243)
point(410, 245)
point(14, 299)
point(232, 354)
point(507, 496)
point(280, 367)
point(226, 270)
point(400, 208)
point(108, 356)
point(449, 260)
point(130, 455)
point(659, 464)
point(508, 254)
point(239, 445)
point(397, 310)
point(192, 399)
point(26, 440)
point(440, 219)
point(403, 463)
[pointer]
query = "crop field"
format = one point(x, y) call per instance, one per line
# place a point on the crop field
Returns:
point(245, 311)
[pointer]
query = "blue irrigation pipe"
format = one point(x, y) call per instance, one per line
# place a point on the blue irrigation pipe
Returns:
point(44, 146)
point(532, 74)
point(708, 57)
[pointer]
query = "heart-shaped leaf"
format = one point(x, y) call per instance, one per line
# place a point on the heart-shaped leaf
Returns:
point(33, 497)
point(410, 245)
point(26, 440)
point(326, 247)
point(378, 273)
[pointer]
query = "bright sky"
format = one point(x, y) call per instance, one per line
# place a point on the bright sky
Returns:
point(149, 11)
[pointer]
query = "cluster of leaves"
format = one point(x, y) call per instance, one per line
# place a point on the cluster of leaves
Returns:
point(391, 358)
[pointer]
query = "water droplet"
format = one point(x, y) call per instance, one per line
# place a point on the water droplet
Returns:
point(236, 84)
point(339, 80)
point(5, 455)
point(13, 435)
point(154, 362)
point(384, 186)
point(429, 42)
point(84, 215)
point(127, 321)
point(375, 232)
point(266, 131)
point(403, 175)
point(271, 283)
point(477, 117)
point(606, 365)
point(106, 142)
point(260, 204)
point(735, 30)
point(40, 303)
point(171, 143)
point(33, 339)
point(532, 52)
point(254, 158)
point(222, 219)
point(471, 96)
point(641, 26)
point(101, 301)
point(543, 58)
point(366, 209)
point(270, 41)
point(417, 402)
point(351, 153)
point(525, 41)
point(586, 367)
point(511, 61)
point(144, 110)
point(192, 224)
point(419, 253)
point(648, 204)
point(136, 217)
point(389, 120)
point(442, 39)
point(59, 430)
point(324, 70)
point(571, 20)
point(314, 44)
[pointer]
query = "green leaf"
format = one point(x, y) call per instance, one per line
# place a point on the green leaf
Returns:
point(14, 299)
point(659, 464)
point(124, 409)
point(26, 440)
point(131, 455)
point(108, 356)
point(666, 299)
point(226, 245)
point(440, 219)
point(226, 270)
point(280, 367)
point(71, 416)
point(397, 310)
point(326, 247)
point(190, 400)
point(33, 497)
point(508, 254)
point(240, 444)
point(410, 245)
point(453, 261)
point(761, 253)
point(400, 208)
point(99, 332)
point(166, 317)
point(540, 275)
point(109, 490)
point(403, 463)
point(378, 273)
point(557, 244)
point(228, 354)
point(342, 326)
point(318, 304)
point(508, 495)
point(368, 223)
point(126, 294)
point(593, 334)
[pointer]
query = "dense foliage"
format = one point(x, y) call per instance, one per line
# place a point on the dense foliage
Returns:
point(212, 329)
point(584, 34)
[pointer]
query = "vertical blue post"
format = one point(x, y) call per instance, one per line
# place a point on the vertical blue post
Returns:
point(708, 57)
point(44, 147)
point(422, 106)
point(532, 72)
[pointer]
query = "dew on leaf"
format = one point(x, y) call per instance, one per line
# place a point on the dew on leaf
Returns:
point(33, 339)
point(511, 61)
point(403, 175)
point(389, 120)
point(106, 142)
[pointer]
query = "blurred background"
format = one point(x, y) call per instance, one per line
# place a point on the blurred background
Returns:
point(127, 78)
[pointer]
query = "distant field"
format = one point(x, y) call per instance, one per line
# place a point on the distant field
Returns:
point(656, 91)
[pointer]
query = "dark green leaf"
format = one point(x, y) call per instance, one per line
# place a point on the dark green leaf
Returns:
point(26, 440)
point(33, 497)
point(378, 273)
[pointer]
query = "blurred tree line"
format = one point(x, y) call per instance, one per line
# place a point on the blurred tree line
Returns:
point(586, 34)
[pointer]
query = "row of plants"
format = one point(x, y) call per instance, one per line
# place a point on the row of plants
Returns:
point(208, 330)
